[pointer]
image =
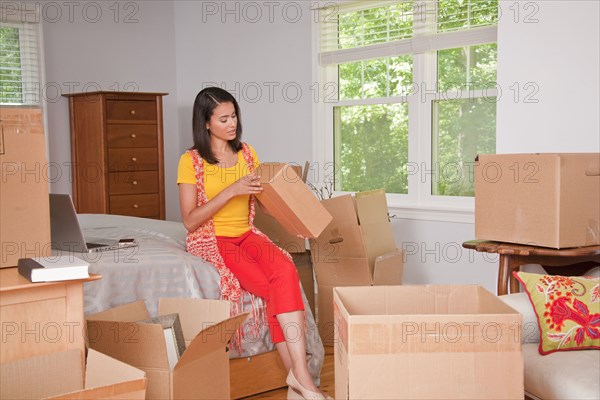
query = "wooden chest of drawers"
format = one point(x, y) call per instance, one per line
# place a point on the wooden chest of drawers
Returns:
point(117, 153)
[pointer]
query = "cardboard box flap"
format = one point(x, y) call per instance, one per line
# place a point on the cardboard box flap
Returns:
point(389, 269)
point(214, 338)
point(291, 223)
point(268, 171)
point(290, 201)
point(371, 206)
point(342, 239)
point(42, 376)
point(378, 239)
point(343, 271)
point(129, 312)
point(103, 370)
point(341, 209)
point(139, 344)
point(277, 233)
point(107, 378)
point(194, 314)
point(414, 300)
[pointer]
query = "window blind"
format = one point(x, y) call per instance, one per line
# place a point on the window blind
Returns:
point(357, 31)
point(19, 59)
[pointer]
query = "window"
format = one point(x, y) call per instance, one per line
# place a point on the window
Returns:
point(414, 99)
point(19, 61)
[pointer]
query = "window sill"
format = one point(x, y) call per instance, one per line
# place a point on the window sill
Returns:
point(464, 215)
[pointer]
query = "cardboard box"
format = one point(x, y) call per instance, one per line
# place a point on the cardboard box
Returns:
point(304, 267)
point(356, 249)
point(62, 375)
point(549, 200)
point(277, 233)
point(287, 198)
point(426, 342)
point(202, 372)
point(24, 204)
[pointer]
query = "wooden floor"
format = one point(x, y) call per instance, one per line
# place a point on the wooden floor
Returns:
point(327, 383)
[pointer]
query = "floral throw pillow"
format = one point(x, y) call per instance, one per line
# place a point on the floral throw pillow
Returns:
point(568, 310)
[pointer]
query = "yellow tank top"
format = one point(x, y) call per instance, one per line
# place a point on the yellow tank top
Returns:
point(232, 219)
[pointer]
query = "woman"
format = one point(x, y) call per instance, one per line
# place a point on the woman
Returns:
point(217, 184)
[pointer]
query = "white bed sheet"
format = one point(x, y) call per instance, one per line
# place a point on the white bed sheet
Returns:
point(160, 267)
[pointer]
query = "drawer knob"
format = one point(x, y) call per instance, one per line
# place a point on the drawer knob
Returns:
point(132, 112)
point(134, 159)
point(133, 136)
point(135, 206)
point(134, 183)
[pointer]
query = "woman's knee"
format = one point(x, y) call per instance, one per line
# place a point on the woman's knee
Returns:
point(287, 272)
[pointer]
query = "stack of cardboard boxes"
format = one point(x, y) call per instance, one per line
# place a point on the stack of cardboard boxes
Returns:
point(356, 249)
point(24, 206)
point(45, 358)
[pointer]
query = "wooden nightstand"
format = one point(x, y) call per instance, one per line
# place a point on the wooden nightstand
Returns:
point(40, 318)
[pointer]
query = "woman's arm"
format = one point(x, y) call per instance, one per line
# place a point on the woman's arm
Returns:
point(194, 216)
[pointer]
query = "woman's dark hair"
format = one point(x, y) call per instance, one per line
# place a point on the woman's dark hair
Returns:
point(204, 105)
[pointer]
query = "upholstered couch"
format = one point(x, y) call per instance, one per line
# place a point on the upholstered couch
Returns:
point(560, 375)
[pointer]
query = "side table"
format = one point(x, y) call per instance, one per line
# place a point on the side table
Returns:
point(40, 318)
point(571, 261)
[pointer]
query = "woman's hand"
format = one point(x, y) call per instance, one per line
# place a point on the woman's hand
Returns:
point(249, 184)
point(193, 215)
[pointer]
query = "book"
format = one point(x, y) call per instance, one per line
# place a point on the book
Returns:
point(173, 334)
point(52, 269)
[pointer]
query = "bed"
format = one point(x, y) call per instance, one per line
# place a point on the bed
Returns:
point(160, 267)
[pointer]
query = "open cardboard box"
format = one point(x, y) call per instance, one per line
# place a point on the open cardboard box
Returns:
point(357, 248)
point(291, 243)
point(289, 200)
point(426, 342)
point(548, 200)
point(62, 375)
point(202, 371)
point(277, 233)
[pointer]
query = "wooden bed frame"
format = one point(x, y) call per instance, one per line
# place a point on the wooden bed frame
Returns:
point(256, 374)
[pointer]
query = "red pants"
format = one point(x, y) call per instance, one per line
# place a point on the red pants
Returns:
point(263, 270)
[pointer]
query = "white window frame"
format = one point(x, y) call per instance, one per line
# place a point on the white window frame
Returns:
point(26, 18)
point(419, 203)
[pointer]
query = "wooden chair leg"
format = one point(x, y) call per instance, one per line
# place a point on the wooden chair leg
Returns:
point(503, 274)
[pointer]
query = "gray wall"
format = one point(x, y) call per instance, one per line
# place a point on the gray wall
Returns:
point(86, 50)
point(262, 55)
point(551, 54)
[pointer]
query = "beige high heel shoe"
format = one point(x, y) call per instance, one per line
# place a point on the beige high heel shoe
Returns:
point(298, 392)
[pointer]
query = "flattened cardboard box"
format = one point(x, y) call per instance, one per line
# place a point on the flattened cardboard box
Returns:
point(357, 248)
point(61, 375)
point(426, 342)
point(549, 200)
point(287, 198)
point(202, 372)
point(24, 201)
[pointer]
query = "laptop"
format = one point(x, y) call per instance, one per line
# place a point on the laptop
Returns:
point(66, 233)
